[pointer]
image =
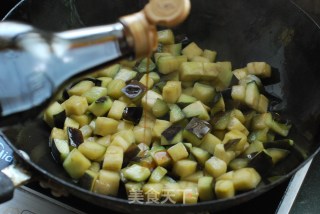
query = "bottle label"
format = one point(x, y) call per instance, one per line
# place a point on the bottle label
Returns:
point(6, 153)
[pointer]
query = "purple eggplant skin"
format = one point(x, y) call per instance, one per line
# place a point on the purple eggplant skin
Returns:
point(74, 136)
point(134, 90)
point(261, 162)
point(132, 114)
point(198, 127)
point(58, 119)
point(171, 132)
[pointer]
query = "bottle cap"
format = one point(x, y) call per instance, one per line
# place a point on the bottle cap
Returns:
point(168, 13)
point(142, 25)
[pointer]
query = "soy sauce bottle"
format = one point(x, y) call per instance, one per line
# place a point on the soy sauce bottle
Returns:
point(35, 65)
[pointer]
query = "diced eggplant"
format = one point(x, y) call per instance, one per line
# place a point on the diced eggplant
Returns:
point(224, 189)
point(157, 174)
point(159, 127)
point(171, 91)
point(191, 71)
point(191, 138)
point(176, 113)
point(261, 162)
point(240, 73)
point(160, 108)
point(113, 158)
point(130, 153)
point(238, 163)
point(70, 123)
point(185, 100)
point(136, 173)
point(194, 177)
point(94, 93)
point(115, 88)
point(192, 50)
point(252, 95)
point(109, 71)
point(220, 120)
point(74, 136)
point(105, 126)
point(174, 49)
point(254, 147)
point(107, 183)
point(125, 75)
point(166, 37)
point(205, 188)
point(171, 135)
point(218, 104)
point(277, 154)
point(280, 128)
point(88, 179)
point(204, 93)
point(149, 99)
point(101, 106)
point(280, 144)
point(82, 120)
point(132, 114)
point(201, 155)
point(59, 150)
point(78, 88)
point(96, 81)
point(215, 167)
point(245, 179)
point(117, 109)
point(196, 109)
point(178, 152)
point(261, 69)
point(225, 75)
point(185, 167)
point(231, 144)
point(76, 164)
point(75, 105)
point(209, 54)
point(209, 143)
point(198, 127)
point(259, 135)
point(145, 65)
point(170, 64)
point(55, 115)
point(162, 158)
point(92, 150)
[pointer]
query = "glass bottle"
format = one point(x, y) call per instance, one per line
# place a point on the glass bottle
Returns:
point(35, 64)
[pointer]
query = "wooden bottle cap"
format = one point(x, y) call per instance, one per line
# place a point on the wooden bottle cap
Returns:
point(168, 13)
point(142, 25)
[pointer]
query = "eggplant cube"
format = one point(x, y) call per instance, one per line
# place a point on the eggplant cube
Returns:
point(132, 114)
point(171, 135)
point(198, 127)
point(60, 150)
point(101, 106)
point(134, 90)
point(107, 183)
point(178, 152)
point(76, 105)
point(75, 137)
point(76, 164)
point(55, 115)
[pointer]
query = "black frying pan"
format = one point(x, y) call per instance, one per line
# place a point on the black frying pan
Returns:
point(275, 31)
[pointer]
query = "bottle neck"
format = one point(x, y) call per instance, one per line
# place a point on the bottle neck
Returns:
point(81, 49)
